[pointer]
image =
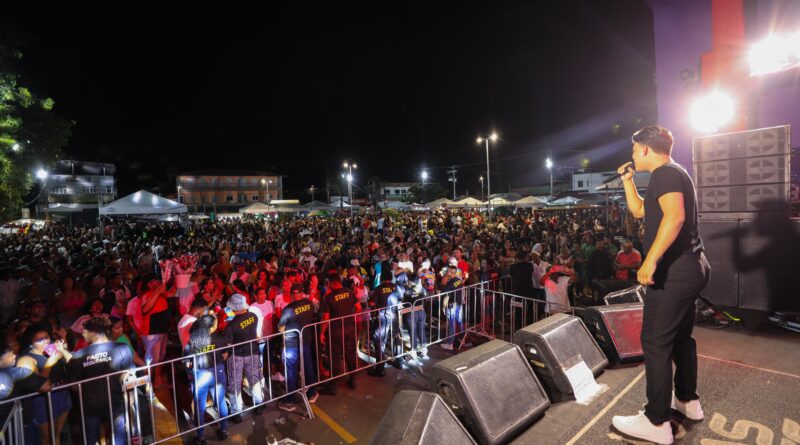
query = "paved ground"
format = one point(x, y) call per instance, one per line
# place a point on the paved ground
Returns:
point(749, 381)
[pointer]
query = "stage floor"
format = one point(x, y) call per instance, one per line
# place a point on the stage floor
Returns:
point(749, 381)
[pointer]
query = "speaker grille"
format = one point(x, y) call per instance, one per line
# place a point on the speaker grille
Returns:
point(441, 426)
point(490, 389)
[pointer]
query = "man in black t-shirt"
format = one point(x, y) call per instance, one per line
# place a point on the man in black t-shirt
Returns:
point(675, 271)
point(339, 302)
point(244, 359)
point(100, 358)
point(295, 316)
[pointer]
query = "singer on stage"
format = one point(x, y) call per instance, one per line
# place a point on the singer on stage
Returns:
point(675, 271)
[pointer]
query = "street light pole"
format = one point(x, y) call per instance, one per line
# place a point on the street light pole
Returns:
point(493, 137)
point(481, 179)
point(312, 193)
point(549, 165)
point(424, 194)
point(350, 168)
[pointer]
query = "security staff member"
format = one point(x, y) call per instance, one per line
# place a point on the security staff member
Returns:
point(675, 271)
point(384, 325)
point(339, 302)
point(453, 305)
point(295, 316)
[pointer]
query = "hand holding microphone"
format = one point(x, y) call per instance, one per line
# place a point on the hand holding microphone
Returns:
point(626, 171)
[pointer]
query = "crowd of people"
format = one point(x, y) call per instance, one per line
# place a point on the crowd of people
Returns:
point(81, 302)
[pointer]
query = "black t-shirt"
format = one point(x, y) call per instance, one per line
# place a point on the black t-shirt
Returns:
point(241, 328)
point(206, 361)
point(671, 178)
point(522, 278)
point(297, 315)
point(456, 284)
point(97, 360)
point(339, 302)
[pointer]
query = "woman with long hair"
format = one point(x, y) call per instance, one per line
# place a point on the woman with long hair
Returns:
point(206, 368)
point(49, 361)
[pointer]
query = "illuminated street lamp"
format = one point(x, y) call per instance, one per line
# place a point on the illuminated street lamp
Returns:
point(350, 167)
point(549, 165)
point(16, 147)
point(493, 137)
point(481, 179)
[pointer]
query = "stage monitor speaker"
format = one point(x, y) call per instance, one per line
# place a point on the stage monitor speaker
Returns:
point(618, 330)
point(601, 288)
point(492, 388)
point(419, 417)
point(557, 343)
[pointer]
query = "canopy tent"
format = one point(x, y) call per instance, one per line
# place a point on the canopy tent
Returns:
point(440, 202)
point(317, 205)
point(61, 207)
point(565, 201)
point(397, 205)
point(256, 208)
point(531, 201)
point(468, 202)
point(142, 203)
point(499, 201)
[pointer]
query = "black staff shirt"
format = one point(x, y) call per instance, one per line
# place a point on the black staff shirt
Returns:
point(243, 328)
point(297, 315)
point(97, 360)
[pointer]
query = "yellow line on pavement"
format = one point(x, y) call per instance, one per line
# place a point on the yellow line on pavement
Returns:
point(332, 424)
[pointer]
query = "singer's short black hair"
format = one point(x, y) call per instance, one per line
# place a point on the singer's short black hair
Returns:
point(658, 138)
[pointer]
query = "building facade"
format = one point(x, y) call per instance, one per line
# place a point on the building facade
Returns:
point(227, 189)
point(74, 186)
point(396, 191)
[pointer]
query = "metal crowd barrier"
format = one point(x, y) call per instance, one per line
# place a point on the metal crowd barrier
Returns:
point(487, 309)
point(138, 391)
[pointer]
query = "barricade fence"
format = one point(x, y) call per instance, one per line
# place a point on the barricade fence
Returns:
point(320, 353)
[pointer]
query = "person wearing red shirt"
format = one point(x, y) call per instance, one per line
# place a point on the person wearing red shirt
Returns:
point(628, 260)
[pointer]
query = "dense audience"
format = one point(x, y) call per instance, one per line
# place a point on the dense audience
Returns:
point(79, 302)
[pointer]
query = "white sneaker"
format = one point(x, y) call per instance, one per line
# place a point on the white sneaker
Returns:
point(639, 426)
point(448, 346)
point(691, 409)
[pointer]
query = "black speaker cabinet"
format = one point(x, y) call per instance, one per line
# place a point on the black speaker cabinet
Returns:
point(493, 389)
point(618, 330)
point(552, 346)
point(419, 417)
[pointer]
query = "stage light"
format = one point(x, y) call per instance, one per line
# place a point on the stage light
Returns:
point(41, 174)
point(711, 112)
point(775, 53)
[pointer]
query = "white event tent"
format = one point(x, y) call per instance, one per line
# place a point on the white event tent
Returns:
point(142, 203)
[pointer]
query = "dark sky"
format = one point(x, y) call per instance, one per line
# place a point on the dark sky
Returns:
point(396, 87)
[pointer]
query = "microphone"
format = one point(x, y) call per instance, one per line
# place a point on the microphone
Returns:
point(613, 178)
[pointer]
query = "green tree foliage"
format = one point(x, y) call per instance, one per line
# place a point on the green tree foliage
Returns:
point(31, 135)
point(431, 191)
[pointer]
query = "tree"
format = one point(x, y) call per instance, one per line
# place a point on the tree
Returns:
point(432, 191)
point(31, 135)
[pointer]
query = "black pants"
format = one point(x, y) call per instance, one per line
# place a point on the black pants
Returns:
point(668, 319)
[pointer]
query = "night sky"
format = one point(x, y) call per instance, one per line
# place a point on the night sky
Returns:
point(298, 88)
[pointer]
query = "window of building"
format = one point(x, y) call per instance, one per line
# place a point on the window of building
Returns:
point(580, 183)
point(109, 190)
point(180, 199)
point(229, 198)
point(90, 189)
point(60, 191)
point(254, 198)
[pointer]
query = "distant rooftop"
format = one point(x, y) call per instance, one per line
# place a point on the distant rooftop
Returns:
point(229, 172)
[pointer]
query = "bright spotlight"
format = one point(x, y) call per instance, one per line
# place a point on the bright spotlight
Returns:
point(15, 147)
point(479, 140)
point(493, 137)
point(548, 163)
point(775, 53)
point(41, 174)
point(349, 178)
point(711, 112)
point(424, 175)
